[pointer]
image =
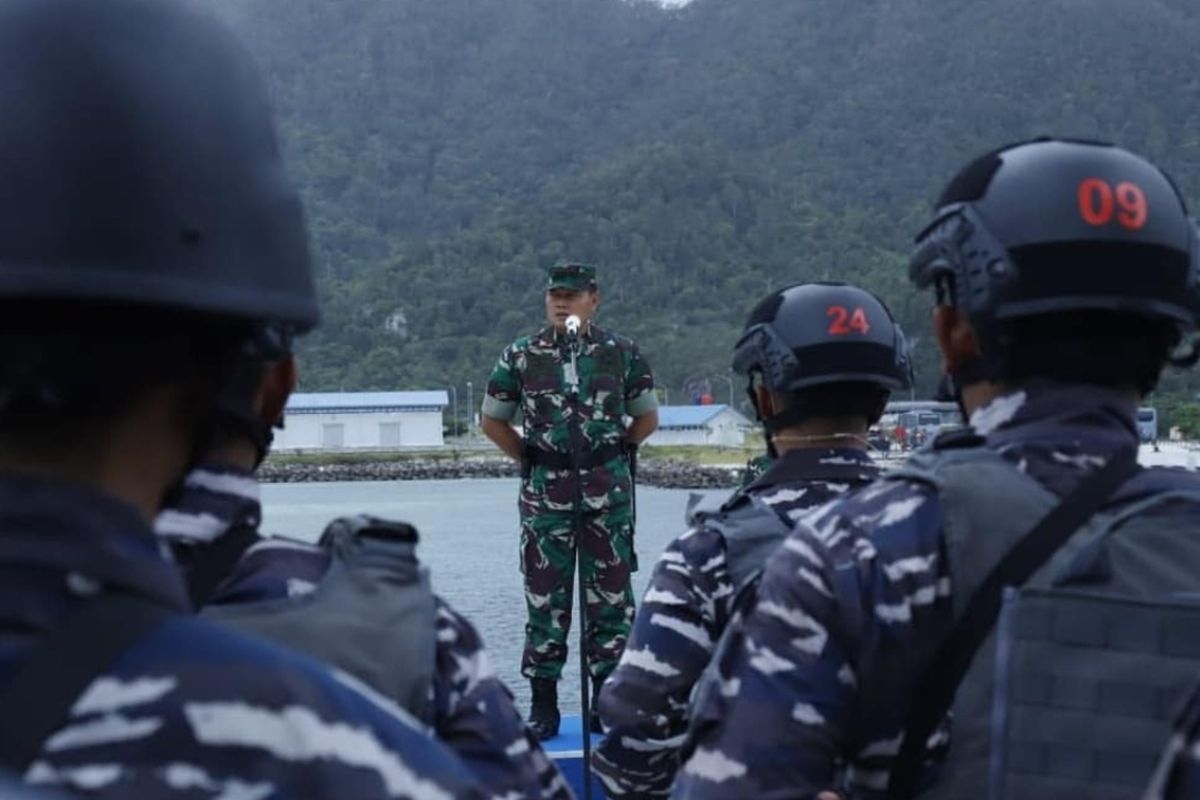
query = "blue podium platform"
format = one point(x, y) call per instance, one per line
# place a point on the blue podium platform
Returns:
point(567, 751)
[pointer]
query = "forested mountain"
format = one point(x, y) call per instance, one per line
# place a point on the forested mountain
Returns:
point(449, 150)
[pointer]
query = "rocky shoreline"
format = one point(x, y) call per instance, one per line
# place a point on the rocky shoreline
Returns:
point(664, 474)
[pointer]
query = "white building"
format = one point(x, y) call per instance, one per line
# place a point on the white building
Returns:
point(362, 420)
point(719, 425)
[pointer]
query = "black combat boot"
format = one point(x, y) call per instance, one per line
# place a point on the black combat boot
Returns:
point(595, 725)
point(543, 710)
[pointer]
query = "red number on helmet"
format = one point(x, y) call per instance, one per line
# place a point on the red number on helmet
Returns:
point(845, 323)
point(1095, 202)
point(839, 315)
point(1131, 202)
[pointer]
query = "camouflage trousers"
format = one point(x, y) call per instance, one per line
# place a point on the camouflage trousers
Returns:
point(548, 560)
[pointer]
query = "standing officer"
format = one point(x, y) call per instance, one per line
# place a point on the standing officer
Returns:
point(148, 235)
point(1065, 275)
point(405, 641)
point(817, 386)
point(574, 394)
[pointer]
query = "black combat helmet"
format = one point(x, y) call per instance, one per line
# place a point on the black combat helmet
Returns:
point(139, 165)
point(1055, 226)
point(819, 333)
point(816, 335)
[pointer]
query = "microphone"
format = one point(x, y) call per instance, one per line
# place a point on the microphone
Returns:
point(573, 326)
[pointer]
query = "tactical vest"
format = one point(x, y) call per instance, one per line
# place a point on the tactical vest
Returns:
point(752, 530)
point(1073, 693)
point(373, 615)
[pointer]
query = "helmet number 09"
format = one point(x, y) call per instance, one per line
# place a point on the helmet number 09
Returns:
point(1100, 203)
point(844, 322)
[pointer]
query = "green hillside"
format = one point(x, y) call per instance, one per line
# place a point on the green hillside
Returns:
point(449, 150)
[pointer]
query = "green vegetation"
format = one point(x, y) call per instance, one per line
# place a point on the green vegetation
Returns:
point(450, 150)
point(701, 454)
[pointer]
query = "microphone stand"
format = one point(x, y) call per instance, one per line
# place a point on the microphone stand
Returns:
point(576, 436)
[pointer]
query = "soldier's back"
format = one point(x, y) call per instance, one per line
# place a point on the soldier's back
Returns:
point(195, 711)
point(188, 710)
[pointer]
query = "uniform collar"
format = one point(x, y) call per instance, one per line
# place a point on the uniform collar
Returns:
point(90, 538)
point(810, 464)
point(1060, 411)
point(214, 499)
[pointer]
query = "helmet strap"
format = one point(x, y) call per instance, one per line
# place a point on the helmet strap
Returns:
point(752, 393)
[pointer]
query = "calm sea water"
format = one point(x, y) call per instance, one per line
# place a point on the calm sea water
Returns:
point(469, 536)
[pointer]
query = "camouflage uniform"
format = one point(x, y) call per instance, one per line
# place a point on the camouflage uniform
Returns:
point(686, 607)
point(472, 711)
point(190, 711)
point(614, 381)
point(819, 675)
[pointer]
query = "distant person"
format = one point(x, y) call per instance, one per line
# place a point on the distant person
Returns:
point(816, 389)
point(573, 410)
point(919, 437)
point(359, 600)
point(1064, 276)
point(148, 234)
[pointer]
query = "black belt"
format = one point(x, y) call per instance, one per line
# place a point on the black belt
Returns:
point(553, 459)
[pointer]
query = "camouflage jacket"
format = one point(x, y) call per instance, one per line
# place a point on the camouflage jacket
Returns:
point(683, 613)
point(472, 711)
point(190, 711)
point(534, 375)
point(817, 679)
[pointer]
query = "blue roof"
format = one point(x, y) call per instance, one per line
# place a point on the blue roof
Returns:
point(687, 416)
point(341, 401)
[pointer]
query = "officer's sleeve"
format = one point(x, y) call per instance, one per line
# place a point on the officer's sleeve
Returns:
point(644, 702)
point(640, 398)
point(503, 388)
point(475, 716)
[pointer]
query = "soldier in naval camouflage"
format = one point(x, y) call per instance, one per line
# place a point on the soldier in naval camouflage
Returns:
point(573, 412)
point(144, 242)
point(815, 414)
point(234, 573)
point(815, 687)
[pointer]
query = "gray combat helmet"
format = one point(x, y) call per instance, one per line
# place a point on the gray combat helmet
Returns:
point(139, 165)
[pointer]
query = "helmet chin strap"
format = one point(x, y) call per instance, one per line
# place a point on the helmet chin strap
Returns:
point(772, 451)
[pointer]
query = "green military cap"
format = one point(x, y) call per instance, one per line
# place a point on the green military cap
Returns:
point(580, 277)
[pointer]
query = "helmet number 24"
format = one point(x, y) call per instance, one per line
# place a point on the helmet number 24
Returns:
point(1100, 203)
point(844, 322)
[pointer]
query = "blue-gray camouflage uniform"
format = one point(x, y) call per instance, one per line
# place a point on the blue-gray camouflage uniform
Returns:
point(816, 683)
point(471, 710)
point(190, 711)
point(686, 606)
